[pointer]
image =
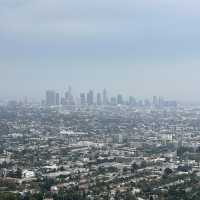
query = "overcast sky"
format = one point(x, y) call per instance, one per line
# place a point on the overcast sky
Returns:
point(136, 47)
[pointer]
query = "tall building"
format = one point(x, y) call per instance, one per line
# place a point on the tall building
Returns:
point(90, 97)
point(83, 99)
point(99, 100)
point(105, 97)
point(50, 98)
point(161, 102)
point(57, 98)
point(155, 101)
point(120, 99)
point(62, 101)
point(69, 90)
point(69, 99)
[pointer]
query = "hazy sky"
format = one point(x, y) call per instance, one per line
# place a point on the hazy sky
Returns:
point(136, 47)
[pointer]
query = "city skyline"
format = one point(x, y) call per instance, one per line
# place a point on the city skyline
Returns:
point(103, 94)
point(91, 98)
point(99, 100)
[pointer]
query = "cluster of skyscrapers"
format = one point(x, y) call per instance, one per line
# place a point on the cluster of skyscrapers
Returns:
point(53, 98)
point(90, 98)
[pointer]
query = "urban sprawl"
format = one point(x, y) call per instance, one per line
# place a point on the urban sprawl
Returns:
point(99, 148)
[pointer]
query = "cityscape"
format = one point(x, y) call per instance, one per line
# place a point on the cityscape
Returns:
point(53, 98)
point(99, 148)
point(99, 100)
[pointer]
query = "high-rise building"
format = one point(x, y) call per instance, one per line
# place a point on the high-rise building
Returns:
point(105, 97)
point(90, 97)
point(62, 101)
point(69, 90)
point(99, 100)
point(161, 102)
point(83, 99)
point(69, 99)
point(50, 98)
point(155, 101)
point(120, 99)
point(57, 99)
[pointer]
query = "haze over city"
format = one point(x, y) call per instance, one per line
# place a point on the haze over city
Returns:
point(99, 100)
point(140, 48)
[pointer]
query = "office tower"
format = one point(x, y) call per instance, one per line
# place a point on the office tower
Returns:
point(69, 90)
point(161, 102)
point(130, 101)
point(113, 101)
point(105, 97)
point(50, 98)
point(62, 101)
point(99, 100)
point(66, 95)
point(120, 99)
point(134, 102)
point(57, 99)
point(83, 99)
point(69, 99)
point(155, 101)
point(66, 99)
point(72, 101)
point(90, 98)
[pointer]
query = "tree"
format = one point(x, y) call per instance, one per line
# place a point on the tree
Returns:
point(9, 196)
point(167, 172)
point(143, 164)
point(19, 173)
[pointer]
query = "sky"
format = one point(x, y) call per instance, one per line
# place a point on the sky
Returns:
point(134, 47)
